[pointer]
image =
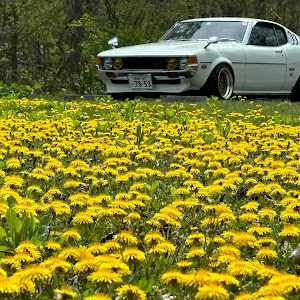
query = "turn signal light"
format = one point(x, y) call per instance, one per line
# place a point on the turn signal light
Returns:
point(173, 75)
point(111, 74)
point(193, 59)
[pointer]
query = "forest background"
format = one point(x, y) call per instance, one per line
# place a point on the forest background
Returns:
point(51, 45)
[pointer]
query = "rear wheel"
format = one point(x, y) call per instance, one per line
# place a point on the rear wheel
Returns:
point(295, 95)
point(220, 82)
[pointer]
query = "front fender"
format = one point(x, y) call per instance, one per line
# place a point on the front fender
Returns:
point(211, 57)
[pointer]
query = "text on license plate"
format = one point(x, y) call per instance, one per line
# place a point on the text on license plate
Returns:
point(140, 81)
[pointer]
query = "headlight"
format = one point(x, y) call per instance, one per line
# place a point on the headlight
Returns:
point(171, 63)
point(118, 63)
point(183, 63)
point(107, 63)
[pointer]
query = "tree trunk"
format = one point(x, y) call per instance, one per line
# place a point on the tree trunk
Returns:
point(14, 43)
point(75, 12)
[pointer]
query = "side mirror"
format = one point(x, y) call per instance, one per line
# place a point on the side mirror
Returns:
point(113, 43)
point(211, 40)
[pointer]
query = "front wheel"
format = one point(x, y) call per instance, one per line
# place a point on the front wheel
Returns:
point(220, 82)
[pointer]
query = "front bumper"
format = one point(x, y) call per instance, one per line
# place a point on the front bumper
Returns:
point(116, 81)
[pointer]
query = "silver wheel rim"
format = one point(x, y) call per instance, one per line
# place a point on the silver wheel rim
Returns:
point(225, 83)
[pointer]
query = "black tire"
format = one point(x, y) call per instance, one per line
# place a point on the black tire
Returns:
point(295, 94)
point(220, 82)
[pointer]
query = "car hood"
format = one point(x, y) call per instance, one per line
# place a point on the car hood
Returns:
point(166, 48)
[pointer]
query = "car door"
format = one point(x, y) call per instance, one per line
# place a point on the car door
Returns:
point(265, 60)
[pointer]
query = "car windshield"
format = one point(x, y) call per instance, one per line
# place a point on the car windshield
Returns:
point(203, 30)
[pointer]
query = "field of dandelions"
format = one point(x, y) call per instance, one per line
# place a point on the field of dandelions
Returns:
point(135, 200)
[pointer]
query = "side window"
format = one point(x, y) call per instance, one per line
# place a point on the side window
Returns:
point(281, 35)
point(263, 34)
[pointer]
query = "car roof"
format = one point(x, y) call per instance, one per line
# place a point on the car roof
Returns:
point(231, 19)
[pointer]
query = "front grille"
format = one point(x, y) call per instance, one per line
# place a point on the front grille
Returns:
point(144, 63)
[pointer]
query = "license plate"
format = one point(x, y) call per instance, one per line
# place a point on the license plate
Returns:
point(140, 81)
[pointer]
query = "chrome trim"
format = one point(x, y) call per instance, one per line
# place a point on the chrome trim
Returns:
point(190, 71)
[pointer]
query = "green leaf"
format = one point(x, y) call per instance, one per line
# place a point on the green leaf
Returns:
point(173, 191)
point(11, 201)
point(43, 232)
point(2, 233)
point(2, 164)
point(46, 220)
point(18, 225)
point(36, 85)
point(151, 140)
point(10, 217)
point(150, 285)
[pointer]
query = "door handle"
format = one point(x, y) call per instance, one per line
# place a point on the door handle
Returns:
point(278, 51)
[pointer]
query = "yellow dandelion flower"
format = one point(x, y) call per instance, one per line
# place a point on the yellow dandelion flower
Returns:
point(9, 285)
point(68, 252)
point(125, 237)
point(29, 248)
point(244, 239)
point(245, 296)
point(13, 180)
point(260, 230)
point(172, 277)
point(60, 207)
point(23, 257)
point(290, 230)
point(252, 206)
point(198, 278)
point(83, 218)
point(106, 276)
point(195, 238)
point(240, 267)
point(248, 217)
point(266, 241)
point(229, 249)
point(289, 214)
point(98, 296)
point(13, 163)
point(133, 255)
point(66, 290)
point(71, 234)
point(52, 245)
point(184, 264)
point(34, 188)
point(3, 209)
point(86, 264)
point(153, 237)
point(225, 279)
point(212, 292)
point(56, 264)
point(35, 272)
point(97, 248)
point(267, 213)
point(132, 217)
point(163, 247)
point(130, 292)
point(266, 253)
point(195, 252)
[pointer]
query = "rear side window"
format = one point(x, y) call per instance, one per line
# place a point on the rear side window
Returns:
point(281, 35)
point(293, 38)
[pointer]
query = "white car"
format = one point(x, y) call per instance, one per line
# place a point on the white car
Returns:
point(208, 56)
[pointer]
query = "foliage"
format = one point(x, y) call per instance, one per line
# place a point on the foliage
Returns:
point(16, 90)
point(55, 43)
